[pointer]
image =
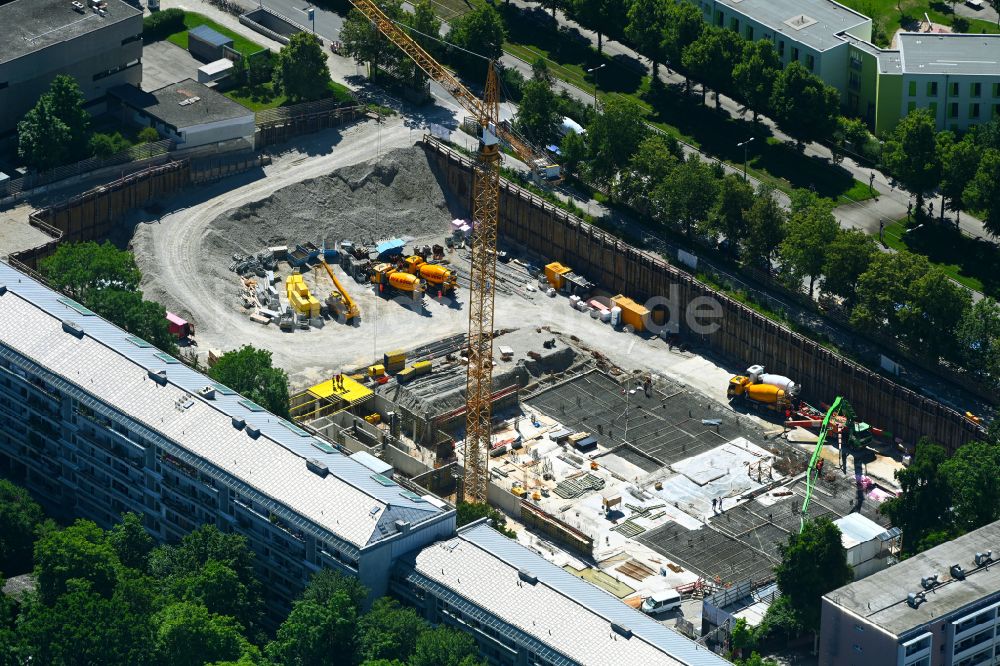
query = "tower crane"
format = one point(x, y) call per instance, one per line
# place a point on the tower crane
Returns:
point(485, 215)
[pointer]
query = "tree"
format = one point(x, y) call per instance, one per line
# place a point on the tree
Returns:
point(644, 29)
point(973, 474)
point(365, 43)
point(322, 622)
point(468, 512)
point(66, 101)
point(910, 154)
point(847, 257)
point(301, 71)
point(389, 631)
point(711, 58)
point(978, 340)
point(613, 136)
point(131, 542)
point(106, 145)
point(683, 27)
point(188, 635)
point(77, 268)
point(19, 517)
point(984, 190)
point(653, 161)
point(218, 588)
point(79, 551)
point(443, 646)
point(145, 319)
point(754, 75)
point(803, 105)
point(42, 138)
point(199, 547)
point(424, 21)
point(481, 31)
point(689, 193)
point(813, 562)
point(538, 114)
point(902, 294)
point(249, 371)
point(573, 150)
point(728, 217)
point(803, 252)
point(147, 135)
point(922, 509)
point(595, 14)
point(766, 227)
point(959, 164)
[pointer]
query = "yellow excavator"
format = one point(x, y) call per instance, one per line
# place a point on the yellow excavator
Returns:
point(339, 301)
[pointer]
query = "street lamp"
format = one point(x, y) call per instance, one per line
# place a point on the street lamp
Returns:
point(744, 145)
point(591, 71)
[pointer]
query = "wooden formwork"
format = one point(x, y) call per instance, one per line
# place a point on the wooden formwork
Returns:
point(743, 335)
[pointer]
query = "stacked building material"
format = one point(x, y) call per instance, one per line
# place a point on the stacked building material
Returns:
point(299, 297)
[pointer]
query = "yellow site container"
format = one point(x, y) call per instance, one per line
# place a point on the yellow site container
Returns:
point(632, 313)
point(376, 370)
point(421, 368)
point(396, 357)
point(374, 419)
point(406, 374)
point(554, 273)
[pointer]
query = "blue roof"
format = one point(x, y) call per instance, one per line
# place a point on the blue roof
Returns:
point(206, 34)
point(594, 599)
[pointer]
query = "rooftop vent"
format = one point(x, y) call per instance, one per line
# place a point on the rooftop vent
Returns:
point(983, 558)
point(927, 582)
point(914, 599)
point(253, 432)
point(158, 376)
point(402, 526)
point(3, 289)
point(317, 467)
point(207, 392)
point(957, 572)
point(799, 22)
point(621, 630)
point(527, 576)
point(189, 101)
point(238, 423)
point(72, 328)
point(77, 6)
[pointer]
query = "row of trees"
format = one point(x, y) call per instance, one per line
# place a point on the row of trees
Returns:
point(965, 169)
point(114, 597)
point(943, 497)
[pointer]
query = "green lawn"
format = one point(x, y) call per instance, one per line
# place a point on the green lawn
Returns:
point(973, 263)
point(259, 98)
point(193, 20)
point(888, 18)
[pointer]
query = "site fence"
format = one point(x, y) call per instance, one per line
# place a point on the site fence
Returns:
point(744, 335)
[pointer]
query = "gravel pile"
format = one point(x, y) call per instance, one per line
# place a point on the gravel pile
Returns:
point(397, 195)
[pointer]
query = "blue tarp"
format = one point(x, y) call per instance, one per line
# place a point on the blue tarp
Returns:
point(390, 248)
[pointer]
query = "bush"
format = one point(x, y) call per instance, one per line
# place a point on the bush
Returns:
point(147, 135)
point(106, 145)
point(160, 24)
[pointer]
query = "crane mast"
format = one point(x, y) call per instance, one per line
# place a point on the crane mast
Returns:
point(485, 217)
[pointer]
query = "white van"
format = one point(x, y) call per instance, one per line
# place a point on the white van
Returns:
point(661, 602)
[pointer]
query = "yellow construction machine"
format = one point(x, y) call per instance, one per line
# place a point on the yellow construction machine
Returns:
point(438, 277)
point(339, 301)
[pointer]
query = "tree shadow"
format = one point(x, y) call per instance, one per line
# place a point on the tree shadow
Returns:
point(974, 257)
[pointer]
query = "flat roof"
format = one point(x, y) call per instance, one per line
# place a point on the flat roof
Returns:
point(165, 104)
point(815, 23)
point(881, 598)
point(973, 55)
point(206, 34)
point(569, 615)
point(27, 26)
point(351, 502)
point(856, 528)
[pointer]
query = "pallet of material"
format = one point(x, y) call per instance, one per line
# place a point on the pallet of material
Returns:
point(260, 319)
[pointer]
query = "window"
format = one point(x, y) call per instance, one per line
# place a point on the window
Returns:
point(977, 89)
point(855, 61)
point(4, 84)
point(781, 54)
point(954, 90)
point(953, 110)
point(810, 62)
point(996, 109)
point(719, 18)
point(734, 24)
point(974, 110)
point(795, 53)
point(854, 81)
point(911, 107)
point(932, 89)
point(996, 89)
point(933, 109)
point(913, 88)
point(748, 33)
point(133, 38)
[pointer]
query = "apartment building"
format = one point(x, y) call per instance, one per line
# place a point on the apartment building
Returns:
point(955, 76)
point(97, 422)
point(97, 42)
point(525, 611)
point(938, 608)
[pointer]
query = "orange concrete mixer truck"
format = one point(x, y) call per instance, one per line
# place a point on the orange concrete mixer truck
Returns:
point(438, 278)
point(761, 389)
point(392, 280)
